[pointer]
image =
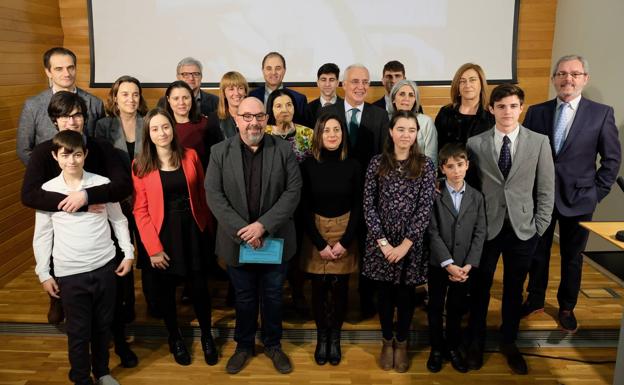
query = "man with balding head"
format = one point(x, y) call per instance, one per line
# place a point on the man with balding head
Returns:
point(253, 186)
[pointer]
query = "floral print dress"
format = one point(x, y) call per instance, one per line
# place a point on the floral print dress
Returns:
point(396, 208)
point(300, 140)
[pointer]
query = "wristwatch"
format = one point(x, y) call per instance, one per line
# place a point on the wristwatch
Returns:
point(383, 242)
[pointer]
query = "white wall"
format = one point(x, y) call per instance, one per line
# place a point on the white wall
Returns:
point(594, 29)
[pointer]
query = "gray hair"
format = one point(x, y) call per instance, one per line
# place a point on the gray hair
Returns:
point(352, 67)
point(395, 90)
point(189, 61)
point(570, 58)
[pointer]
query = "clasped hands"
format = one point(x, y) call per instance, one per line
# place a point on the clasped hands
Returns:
point(331, 253)
point(394, 254)
point(456, 273)
point(252, 234)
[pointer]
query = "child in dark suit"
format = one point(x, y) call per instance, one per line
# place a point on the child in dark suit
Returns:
point(457, 231)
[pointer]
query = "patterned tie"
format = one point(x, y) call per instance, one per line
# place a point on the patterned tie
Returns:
point(560, 126)
point(353, 126)
point(504, 160)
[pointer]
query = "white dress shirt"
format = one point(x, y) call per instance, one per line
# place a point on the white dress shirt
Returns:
point(498, 141)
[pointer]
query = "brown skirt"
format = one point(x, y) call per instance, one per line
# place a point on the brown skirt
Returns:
point(331, 229)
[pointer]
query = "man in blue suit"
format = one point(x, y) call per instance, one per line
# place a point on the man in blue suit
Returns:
point(273, 71)
point(579, 130)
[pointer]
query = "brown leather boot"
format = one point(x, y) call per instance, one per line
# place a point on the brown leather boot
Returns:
point(387, 354)
point(401, 360)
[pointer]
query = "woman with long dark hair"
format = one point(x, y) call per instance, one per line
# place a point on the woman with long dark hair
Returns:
point(398, 196)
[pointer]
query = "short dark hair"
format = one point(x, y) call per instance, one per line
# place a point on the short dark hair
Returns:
point(63, 103)
point(69, 141)
point(194, 113)
point(111, 104)
point(394, 66)
point(297, 118)
point(504, 90)
point(271, 54)
point(452, 151)
point(56, 51)
point(328, 68)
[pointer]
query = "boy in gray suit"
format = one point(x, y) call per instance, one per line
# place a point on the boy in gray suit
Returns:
point(456, 235)
point(516, 176)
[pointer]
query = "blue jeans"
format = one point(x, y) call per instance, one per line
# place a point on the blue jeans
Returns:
point(258, 286)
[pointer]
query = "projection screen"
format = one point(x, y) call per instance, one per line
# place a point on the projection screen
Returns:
point(432, 38)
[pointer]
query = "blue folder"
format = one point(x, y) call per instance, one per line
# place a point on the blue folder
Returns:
point(269, 253)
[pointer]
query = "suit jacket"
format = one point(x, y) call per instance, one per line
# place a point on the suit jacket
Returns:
point(149, 205)
point(226, 194)
point(208, 103)
point(102, 160)
point(579, 186)
point(313, 108)
point(36, 127)
point(110, 130)
point(532, 174)
point(381, 103)
point(300, 100)
point(372, 132)
point(458, 236)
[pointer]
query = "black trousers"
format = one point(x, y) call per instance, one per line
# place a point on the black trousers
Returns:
point(89, 305)
point(399, 297)
point(444, 293)
point(329, 300)
point(572, 242)
point(517, 255)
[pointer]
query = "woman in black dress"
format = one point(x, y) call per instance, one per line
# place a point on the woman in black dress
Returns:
point(171, 213)
point(331, 208)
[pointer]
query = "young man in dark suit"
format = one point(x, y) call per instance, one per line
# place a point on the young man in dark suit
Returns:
point(327, 81)
point(393, 71)
point(579, 130)
point(456, 235)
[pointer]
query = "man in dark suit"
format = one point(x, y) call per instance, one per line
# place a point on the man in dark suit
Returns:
point(253, 187)
point(189, 70)
point(393, 71)
point(368, 128)
point(516, 176)
point(327, 81)
point(579, 130)
point(273, 71)
point(35, 125)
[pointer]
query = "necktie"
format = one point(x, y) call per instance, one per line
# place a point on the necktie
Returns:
point(504, 160)
point(353, 126)
point(327, 104)
point(560, 126)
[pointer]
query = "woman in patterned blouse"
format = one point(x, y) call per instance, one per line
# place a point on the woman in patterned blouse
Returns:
point(398, 196)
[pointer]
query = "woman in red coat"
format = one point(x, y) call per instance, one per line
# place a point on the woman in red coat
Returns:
point(171, 214)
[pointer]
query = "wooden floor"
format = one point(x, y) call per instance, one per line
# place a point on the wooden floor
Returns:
point(43, 359)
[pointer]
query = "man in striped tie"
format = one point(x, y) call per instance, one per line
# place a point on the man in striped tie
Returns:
point(579, 131)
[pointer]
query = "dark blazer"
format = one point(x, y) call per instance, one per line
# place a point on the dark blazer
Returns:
point(459, 236)
point(226, 194)
point(103, 159)
point(208, 102)
point(579, 186)
point(381, 103)
point(35, 126)
point(110, 129)
point(527, 195)
point(300, 100)
point(149, 204)
point(372, 132)
point(313, 108)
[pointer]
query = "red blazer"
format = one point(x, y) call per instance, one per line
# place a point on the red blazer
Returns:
point(149, 205)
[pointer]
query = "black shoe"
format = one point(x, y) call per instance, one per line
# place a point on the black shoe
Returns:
point(320, 353)
point(126, 356)
point(179, 350)
point(435, 361)
point(474, 358)
point(280, 359)
point(457, 361)
point(528, 309)
point(334, 355)
point(514, 358)
point(567, 320)
point(237, 362)
point(211, 355)
point(55, 312)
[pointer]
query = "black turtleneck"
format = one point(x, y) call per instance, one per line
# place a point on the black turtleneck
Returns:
point(331, 188)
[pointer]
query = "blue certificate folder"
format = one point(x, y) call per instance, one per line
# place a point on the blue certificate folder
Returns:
point(270, 252)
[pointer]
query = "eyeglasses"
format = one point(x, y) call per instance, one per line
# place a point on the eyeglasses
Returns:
point(465, 81)
point(189, 74)
point(260, 117)
point(564, 75)
point(357, 82)
point(74, 117)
